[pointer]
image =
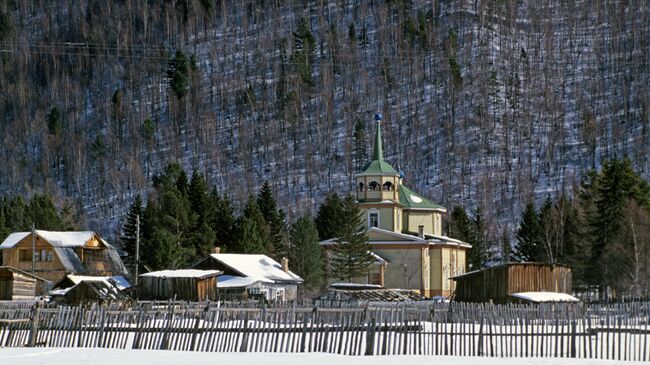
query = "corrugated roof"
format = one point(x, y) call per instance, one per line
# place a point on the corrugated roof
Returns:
point(256, 267)
point(411, 199)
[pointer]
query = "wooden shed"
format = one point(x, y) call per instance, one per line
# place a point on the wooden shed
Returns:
point(16, 284)
point(192, 285)
point(499, 283)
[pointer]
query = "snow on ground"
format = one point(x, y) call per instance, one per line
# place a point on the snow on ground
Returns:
point(77, 356)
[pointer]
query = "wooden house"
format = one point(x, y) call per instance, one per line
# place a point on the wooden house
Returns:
point(252, 276)
point(500, 284)
point(53, 255)
point(16, 284)
point(191, 285)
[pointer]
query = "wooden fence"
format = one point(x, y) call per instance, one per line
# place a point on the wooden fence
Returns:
point(618, 332)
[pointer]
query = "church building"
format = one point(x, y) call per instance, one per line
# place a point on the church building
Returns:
point(405, 232)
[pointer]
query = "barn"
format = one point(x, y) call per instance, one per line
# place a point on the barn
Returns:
point(500, 284)
point(16, 284)
point(191, 285)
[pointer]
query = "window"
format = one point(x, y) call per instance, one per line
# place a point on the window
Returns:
point(24, 255)
point(373, 219)
point(373, 186)
point(360, 186)
point(388, 186)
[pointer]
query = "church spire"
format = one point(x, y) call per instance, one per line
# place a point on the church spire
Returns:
point(378, 153)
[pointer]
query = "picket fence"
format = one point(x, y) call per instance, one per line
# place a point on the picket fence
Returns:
point(616, 331)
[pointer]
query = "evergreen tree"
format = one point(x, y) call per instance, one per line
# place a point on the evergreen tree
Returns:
point(275, 220)
point(477, 256)
point(167, 250)
point(306, 255)
point(472, 231)
point(16, 214)
point(199, 196)
point(130, 227)
point(43, 213)
point(224, 223)
point(604, 196)
point(351, 256)
point(528, 247)
point(548, 232)
point(329, 219)
point(254, 233)
point(460, 225)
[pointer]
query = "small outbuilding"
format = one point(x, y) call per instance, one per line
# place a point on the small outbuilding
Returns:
point(191, 285)
point(16, 284)
point(250, 276)
point(498, 284)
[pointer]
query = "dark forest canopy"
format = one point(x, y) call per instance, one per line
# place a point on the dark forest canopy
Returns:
point(488, 105)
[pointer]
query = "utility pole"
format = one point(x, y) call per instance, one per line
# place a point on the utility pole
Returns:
point(137, 247)
point(33, 247)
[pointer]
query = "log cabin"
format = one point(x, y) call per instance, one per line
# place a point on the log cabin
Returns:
point(53, 255)
point(16, 284)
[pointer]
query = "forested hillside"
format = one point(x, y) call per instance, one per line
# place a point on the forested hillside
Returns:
point(485, 103)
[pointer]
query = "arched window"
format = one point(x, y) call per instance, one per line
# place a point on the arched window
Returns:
point(360, 186)
point(388, 186)
point(373, 218)
point(373, 186)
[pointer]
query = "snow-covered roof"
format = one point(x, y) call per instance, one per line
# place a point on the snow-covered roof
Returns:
point(545, 296)
point(256, 267)
point(404, 239)
point(57, 239)
point(119, 281)
point(230, 281)
point(186, 273)
point(354, 286)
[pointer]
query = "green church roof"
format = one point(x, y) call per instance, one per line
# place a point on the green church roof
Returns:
point(378, 165)
point(411, 199)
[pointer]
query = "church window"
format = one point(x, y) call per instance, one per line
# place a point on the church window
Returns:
point(388, 186)
point(373, 186)
point(360, 186)
point(373, 219)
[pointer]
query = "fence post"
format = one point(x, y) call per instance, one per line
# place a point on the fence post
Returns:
point(573, 338)
point(33, 331)
point(370, 337)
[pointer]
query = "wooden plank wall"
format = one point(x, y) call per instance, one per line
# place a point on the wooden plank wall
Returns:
point(180, 288)
point(497, 283)
point(614, 332)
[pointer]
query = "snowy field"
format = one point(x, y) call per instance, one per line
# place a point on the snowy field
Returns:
point(77, 356)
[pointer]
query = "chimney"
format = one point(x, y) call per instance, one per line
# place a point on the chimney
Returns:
point(421, 231)
point(216, 249)
point(285, 264)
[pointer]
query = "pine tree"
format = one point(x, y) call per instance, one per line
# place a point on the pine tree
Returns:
point(199, 196)
point(477, 257)
point(224, 223)
point(528, 247)
point(253, 230)
point(167, 250)
point(351, 256)
point(305, 254)
point(130, 230)
point(329, 219)
point(460, 225)
point(43, 213)
point(547, 228)
point(275, 220)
